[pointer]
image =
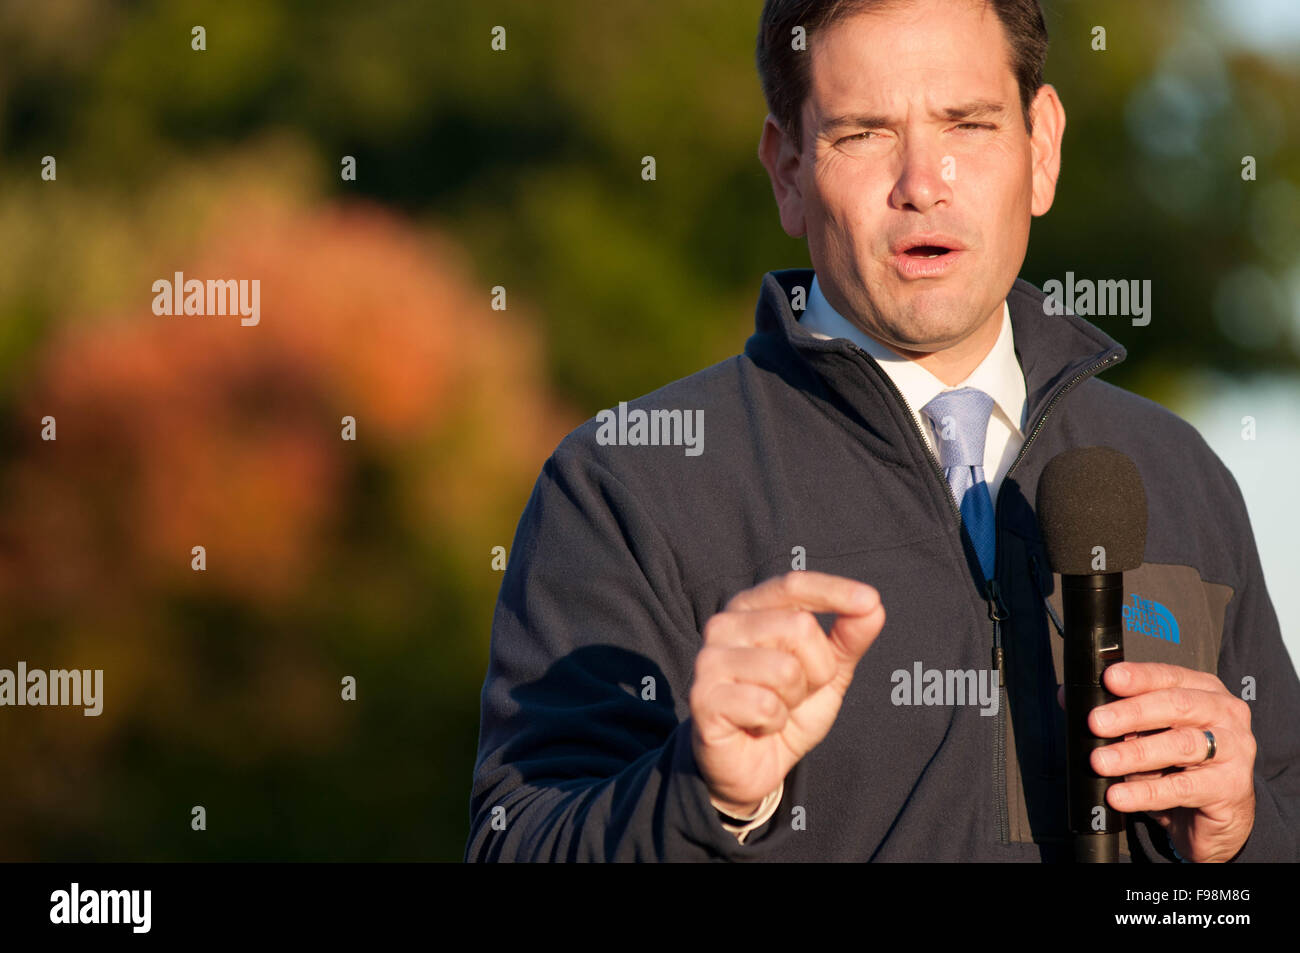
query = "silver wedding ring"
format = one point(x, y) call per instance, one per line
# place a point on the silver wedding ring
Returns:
point(1212, 746)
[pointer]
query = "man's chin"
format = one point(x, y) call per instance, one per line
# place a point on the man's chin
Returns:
point(925, 326)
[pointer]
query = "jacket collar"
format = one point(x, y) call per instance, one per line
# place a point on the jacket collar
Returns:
point(1053, 351)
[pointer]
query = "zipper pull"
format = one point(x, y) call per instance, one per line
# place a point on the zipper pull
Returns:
point(998, 613)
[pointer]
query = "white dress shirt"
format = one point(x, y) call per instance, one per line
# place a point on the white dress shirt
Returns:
point(998, 375)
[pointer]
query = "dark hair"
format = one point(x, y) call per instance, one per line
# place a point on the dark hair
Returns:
point(784, 71)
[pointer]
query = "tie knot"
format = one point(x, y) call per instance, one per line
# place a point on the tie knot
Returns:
point(961, 421)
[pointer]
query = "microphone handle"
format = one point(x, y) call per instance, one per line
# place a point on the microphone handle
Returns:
point(1094, 641)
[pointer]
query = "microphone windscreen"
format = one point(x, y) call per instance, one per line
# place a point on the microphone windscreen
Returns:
point(1091, 497)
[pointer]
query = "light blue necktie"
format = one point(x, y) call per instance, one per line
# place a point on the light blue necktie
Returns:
point(961, 422)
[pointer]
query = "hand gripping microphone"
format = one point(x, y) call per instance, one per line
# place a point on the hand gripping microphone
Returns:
point(1092, 509)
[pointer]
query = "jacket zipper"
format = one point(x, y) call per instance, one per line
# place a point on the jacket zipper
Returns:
point(1086, 372)
point(998, 612)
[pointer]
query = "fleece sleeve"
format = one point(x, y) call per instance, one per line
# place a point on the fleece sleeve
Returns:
point(585, 740)
point(1254, 657)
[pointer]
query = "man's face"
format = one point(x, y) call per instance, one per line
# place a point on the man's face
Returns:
point(917, 178)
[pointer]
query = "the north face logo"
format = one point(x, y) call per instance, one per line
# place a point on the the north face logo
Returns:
point(1150, 618)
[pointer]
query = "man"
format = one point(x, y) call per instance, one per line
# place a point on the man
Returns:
point(690, 657)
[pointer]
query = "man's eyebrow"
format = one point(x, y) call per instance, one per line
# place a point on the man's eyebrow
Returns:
point(976, 109)
point(838, 122)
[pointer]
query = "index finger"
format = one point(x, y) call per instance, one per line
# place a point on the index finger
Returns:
point(1136, 678)
point(813, 591)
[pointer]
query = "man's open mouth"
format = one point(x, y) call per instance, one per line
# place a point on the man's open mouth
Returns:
point(926, 251)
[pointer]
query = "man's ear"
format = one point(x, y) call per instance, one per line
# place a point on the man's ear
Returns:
point(1048, 117)
point(777, 153)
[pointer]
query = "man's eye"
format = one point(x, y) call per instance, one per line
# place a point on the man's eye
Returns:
point(859, 137)
point(974, 125)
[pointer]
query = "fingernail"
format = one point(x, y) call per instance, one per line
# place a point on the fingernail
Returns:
point(1103, 717)
point(1121, 675)
point(1105, 759)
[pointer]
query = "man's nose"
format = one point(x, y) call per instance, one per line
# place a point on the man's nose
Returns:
point(923, 177)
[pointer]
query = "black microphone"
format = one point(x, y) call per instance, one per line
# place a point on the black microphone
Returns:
point(1092, 509)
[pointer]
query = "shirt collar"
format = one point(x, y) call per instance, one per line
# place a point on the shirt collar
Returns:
point(998, 375)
